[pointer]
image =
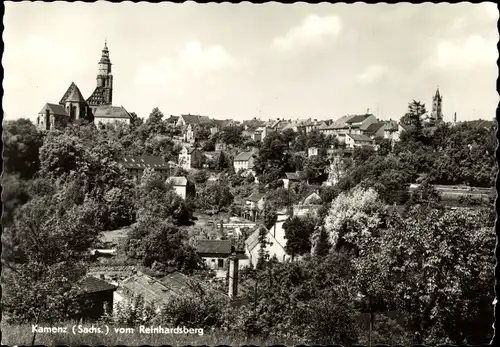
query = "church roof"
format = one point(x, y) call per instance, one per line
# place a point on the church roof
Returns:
point(111, 112)
point(97, 97)
point(72, 94)
point(75, 95)
point(54, 109)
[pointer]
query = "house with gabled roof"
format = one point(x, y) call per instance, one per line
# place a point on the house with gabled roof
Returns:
point(374, 130)
point(355, 140)
point(190, 157)
point(181, 185)
point(99, 296)
point(275, 242)
point(135, 166)
point(243, 161)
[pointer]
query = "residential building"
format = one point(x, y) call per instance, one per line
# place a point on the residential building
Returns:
point(215, 254)
point(135, 166)
point(354, 140)
point(291, 177)
point(181, 186)
point(74, 108)
point(190, 158)
point(276, 242)
point(98, 295)
point(374, 130)
point(308, 206)
point(390, 130)
point(255, 204)
point(243, 161)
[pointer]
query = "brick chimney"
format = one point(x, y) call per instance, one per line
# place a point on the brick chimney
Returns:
point(233, 274)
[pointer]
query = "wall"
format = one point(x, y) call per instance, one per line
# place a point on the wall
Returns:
point(98, 120)
point(181, 191)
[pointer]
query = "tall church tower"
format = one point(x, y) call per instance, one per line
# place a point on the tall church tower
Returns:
point(437, 105)
point(103, 94)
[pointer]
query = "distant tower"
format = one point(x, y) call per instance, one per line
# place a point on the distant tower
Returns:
point(103, 94)
point(437, 106)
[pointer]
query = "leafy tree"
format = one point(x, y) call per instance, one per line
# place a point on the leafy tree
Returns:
point(161, 245)
point(270, 215)
point(353, 218)
point(320, 244)
point(215, 197)
point(222, 161)
point(273, 159)
point(424, 194)
point(21, 145)
point(384, 145)
point(202, 133)
point(440, 275)
point(231, 135)
point(15, 193)
point(156, 199)
point(315, 169)
point(298, 232)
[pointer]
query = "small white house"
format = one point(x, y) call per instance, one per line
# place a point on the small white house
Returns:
point(275, 238)
point(179, 184)
point(243, 161)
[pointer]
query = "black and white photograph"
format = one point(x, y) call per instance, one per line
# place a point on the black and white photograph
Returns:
point(249, 174)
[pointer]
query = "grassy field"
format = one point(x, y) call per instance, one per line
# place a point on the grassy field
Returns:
point(13, 335)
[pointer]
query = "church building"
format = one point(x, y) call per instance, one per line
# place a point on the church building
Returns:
point(73, 107)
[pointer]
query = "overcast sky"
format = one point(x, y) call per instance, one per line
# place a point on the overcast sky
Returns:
point(243, 61)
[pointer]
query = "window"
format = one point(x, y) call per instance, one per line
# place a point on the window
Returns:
point(220, 263)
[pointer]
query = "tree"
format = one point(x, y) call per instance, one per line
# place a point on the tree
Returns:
point(156, 199)
point(425, 194)
point(21, 145)
point(215, 197)
point(440, 269)
point(315, 169)
point(42, 279)
point(262, 253)
point(161, 245)
point(15, 193)
point(273, 159)
point(298, 232)
point(320, 244)
point(222, 161)
point(231, 135)
point(353, 218)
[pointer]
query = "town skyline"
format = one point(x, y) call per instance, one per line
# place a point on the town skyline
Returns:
point(295, 62)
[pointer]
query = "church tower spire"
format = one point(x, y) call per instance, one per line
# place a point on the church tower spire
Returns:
point(104, 76)
point(437, 106)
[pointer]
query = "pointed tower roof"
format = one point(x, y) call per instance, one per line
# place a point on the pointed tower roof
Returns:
point(105, 54)
point(438, 95)
point(73, 94)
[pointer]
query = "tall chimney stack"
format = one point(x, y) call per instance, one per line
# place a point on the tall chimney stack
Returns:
point(233, 274)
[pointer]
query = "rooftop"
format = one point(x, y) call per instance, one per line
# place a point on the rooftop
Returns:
point(111, 112)
point(244, 156)
point(358, 118)
point(222, 247)
point(94, 285)
point(144, 162)
point(177, 180)
point(256, 196)
point(54, 109)
point(359, 138)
